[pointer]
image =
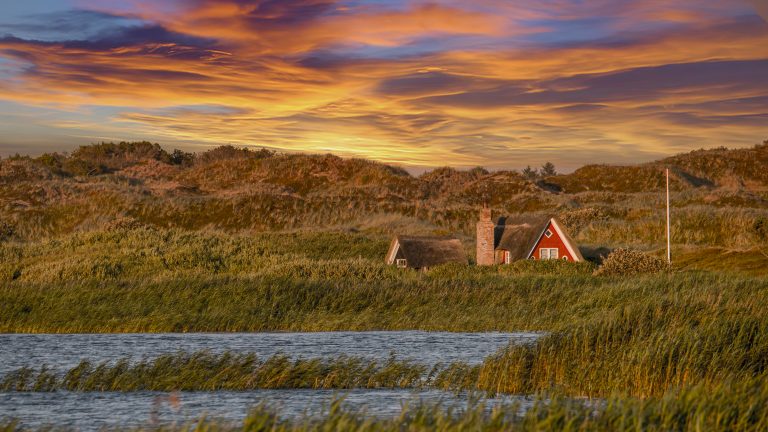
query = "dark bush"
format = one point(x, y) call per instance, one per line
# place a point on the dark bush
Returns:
point(7, 231)
point(227, 152)
point(760, 229)
point(625, 262)
point(106, 157)
point(182, 158)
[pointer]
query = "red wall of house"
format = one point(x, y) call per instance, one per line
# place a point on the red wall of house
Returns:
point(552, 242)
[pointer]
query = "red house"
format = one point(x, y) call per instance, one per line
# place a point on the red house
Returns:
point(538, 238)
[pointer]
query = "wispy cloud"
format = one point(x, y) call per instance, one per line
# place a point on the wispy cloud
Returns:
point(494, 83)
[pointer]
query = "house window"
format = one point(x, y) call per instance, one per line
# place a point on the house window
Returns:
point(548, 233)
point(548, 253)
point(565, 258)
point(401, 263)
point(507, 257)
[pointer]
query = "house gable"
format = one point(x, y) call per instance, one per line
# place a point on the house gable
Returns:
point(553, 237)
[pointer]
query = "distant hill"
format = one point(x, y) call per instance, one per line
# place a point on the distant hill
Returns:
point(105, 185)
point(743, 169)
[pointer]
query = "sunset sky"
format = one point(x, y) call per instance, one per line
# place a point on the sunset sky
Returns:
point(494, 83)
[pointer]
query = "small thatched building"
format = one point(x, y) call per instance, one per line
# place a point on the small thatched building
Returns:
point(424, 252)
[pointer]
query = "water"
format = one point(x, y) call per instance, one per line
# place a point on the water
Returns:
point(63, 351)
point(96, 410)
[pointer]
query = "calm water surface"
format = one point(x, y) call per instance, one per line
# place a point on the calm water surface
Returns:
point(63, 351)
point(94, 411)
point(97, 411)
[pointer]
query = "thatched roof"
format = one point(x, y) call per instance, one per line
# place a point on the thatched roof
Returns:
point(423, 252)
point(517, 239)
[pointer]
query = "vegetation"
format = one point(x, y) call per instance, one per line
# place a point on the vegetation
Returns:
point(206, 371)
point(719, 192)
point(643, 350)
point(641, 337)
point(622, 262)
point(130, 238)
point(147, 279)
point(727, 408)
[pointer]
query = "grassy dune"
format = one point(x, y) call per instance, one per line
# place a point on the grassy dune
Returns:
point(720, 197)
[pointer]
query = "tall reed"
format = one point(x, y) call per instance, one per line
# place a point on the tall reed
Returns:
point(730, 407)
point(206, 371)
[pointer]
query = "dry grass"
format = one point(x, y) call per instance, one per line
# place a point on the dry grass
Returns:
point(236, 190)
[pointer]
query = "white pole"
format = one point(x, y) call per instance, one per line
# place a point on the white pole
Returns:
point(669, 240)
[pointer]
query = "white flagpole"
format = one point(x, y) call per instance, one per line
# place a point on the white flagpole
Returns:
point(669, 240)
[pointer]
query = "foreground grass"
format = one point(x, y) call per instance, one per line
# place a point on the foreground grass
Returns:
point(738, 407)
point(643, 350)
point(667, 348)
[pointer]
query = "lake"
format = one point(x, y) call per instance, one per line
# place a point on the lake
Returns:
point(96, 411)
point(63, 351)
point(93, 411)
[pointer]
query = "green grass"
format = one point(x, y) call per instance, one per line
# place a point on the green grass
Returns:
point(168, 280)
point(640, 336)
point(752, 261)
point(147, 279)
point(205, 371)
point(229, 303)
point(643, 350)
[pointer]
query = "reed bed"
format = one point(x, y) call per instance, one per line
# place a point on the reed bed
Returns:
point(672, 337)
point(490, 301)
point(206, 371)
point(644, 346)
point(729, 407)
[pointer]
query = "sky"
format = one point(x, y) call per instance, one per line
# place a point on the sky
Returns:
point(494, 83)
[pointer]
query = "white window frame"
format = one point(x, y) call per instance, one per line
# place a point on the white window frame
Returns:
point(507, 257)
point(548, 233)
point(565, 258)
point(401, 262)
point(549, 253)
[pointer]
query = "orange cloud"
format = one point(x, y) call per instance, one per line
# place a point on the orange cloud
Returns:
point(425, 84)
